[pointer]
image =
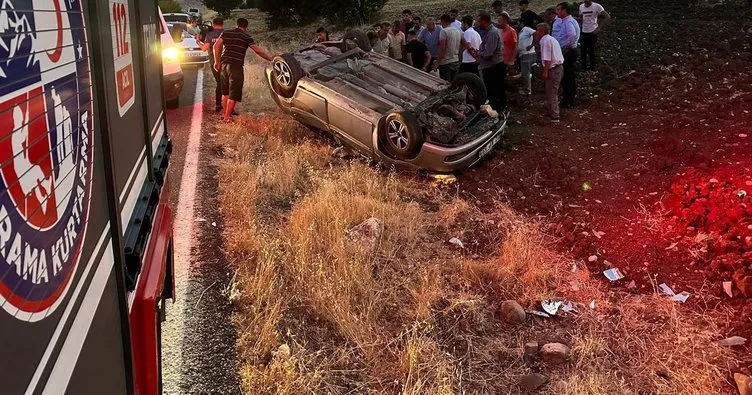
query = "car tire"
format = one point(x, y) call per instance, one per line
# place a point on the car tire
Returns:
point(476, 90)
point(400, 135)
point(286, 73)
point(359, 37)
point(173, 104)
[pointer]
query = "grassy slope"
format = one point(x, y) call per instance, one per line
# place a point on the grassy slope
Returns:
point(317, 314)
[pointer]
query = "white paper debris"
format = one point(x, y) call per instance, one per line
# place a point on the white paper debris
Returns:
point(728, 287)
point(667, 290)
point(613, 274)
point(732, 341)
point(214, 224)
point(456, 242)
point(551, 307)
point(682, 297)
point(539, 313)
point(569, 307)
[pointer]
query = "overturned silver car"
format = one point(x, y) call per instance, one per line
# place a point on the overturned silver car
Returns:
point(386, 109)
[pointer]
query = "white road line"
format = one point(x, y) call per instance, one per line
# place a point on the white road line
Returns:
point(183, 240)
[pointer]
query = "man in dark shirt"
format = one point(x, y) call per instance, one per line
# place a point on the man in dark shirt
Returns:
point(418, 55)
point(207, 44)
point(233, 44)
point(528, 17)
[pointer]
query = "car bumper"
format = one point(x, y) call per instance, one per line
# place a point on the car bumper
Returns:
point(173, 85)
point(196, 60)
point(443, 159)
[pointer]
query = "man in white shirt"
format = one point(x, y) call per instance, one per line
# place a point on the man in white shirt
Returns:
point(526, 52)
point(472, 37)
point(383, 43)
point(451, 43)
point(397, 42)
point(552, 59)
point(590, 13)
point(455, 22)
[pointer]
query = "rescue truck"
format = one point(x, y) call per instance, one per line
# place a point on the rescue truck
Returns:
point(85, 225)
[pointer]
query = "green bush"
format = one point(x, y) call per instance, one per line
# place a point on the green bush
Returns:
point(337, 12)
point(169, 6)
point(223, 7)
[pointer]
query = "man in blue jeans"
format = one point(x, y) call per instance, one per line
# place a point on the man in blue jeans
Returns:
point(566, 31)
point(207, 44)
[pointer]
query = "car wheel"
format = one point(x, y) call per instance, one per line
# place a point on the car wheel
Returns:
point(476, 91)
point(401, 135)
point(360, 39)
point(173, 104)
point(286, 73)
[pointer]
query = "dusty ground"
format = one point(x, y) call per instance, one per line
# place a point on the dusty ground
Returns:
point(645, 175)
point(663, 117)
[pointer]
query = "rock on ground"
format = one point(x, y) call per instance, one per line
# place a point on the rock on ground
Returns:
point(554, 353)
point(531, 351)
point(512, 313)
point(533, 381)
point(368, 233)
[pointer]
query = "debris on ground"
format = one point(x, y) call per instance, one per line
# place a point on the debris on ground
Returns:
point(443, 179)
point(680, 297)
point(728, 287)
point(368, 233)
point(732, 341)
point(554, 353)
point(512, 313)
point(551, 307)
point(533, 381)
point(457, 242)
point(613, 274)
point(343, 153)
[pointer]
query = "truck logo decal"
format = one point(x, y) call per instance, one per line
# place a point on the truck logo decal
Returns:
point(45, 152)
point(122, 54)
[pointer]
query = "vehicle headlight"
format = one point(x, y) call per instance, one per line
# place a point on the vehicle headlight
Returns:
point(171, 54)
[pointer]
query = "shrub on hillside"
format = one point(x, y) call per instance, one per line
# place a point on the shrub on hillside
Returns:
point(169, 6)
point(223, 7)
point(337, 12)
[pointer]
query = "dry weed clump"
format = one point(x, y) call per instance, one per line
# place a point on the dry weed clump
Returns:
point(319, 313)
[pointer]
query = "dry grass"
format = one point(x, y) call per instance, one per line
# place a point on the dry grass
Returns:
point(318, 314)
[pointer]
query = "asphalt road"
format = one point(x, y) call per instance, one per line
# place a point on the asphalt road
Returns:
point(198, 339)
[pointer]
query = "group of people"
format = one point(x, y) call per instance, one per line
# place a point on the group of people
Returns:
point(486, 46)
point(491, 47)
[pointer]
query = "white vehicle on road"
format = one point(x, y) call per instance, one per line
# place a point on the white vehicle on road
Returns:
point(192, 52)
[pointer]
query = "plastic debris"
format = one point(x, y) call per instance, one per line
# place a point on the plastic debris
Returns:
point(456, 242)
point(574, 267)
point(680, 297)
point(592, 305)
point(214, 224)
point(667, 290)
point(613, 274)
point(586, 186)
point(551, 307)
point(539, 313)
point(569, 307)
point(728, 287)
point(742, 194)
point(732, 341)
point(444, 179)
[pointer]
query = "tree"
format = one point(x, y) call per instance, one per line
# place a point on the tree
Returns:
point(337, 12)
point(169, 6)
point(223, 7)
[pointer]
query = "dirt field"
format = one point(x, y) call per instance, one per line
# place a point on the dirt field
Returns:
point(648, 174)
